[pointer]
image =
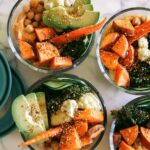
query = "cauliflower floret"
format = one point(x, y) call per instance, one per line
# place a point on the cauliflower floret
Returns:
point(48, 4)
point(143, 54)
point(143, 42)
point(89, 100)
point(69, 107)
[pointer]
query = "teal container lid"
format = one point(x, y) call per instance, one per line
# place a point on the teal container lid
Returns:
point(5, 80)
point(6, 121)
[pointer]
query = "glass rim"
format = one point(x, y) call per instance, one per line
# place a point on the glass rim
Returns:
point(17, 55)
point(101, 66)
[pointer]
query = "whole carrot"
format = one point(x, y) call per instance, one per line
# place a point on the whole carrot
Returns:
point(77, 34)
point(42, 136)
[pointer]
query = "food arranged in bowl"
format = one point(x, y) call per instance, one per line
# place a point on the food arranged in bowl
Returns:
point(132, 126)
point(61, 112)
point(125, 49)
point(54, 35)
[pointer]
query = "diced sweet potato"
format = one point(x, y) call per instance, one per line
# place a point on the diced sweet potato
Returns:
point(121, 46)
point(81, 127)
point(117, 139)
point(46, 51)
point(129, 59)
point(122, 76)
point(40, 64)
point(145, 137)
point(130, 134)
point(109, 39)
point(90, 115)
point(95, 131)
point(109, 59)
point(125, 26)
point(44, 33)
point(124, 146)
point(70, 139)
point(26, 50)
point(86, 140)
point(60, 62)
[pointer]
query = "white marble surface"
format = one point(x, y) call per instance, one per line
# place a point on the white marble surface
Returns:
point(88, 69)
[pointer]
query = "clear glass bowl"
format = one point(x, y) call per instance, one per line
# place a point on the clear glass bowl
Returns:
point(99, 138)
point(113, 125)
point(123, 13)
point(17, 8)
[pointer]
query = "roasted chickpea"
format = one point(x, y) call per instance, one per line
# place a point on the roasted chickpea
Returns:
point(27, 22)
point(29, 28)
point(136, 21)
point(40, 8)
point(34, 3)
point(30, 15)
point(26, 8)
point(143, 18)
point(38, 17)
point(35, 24)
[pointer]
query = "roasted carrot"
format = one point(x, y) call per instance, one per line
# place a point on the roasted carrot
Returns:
point(42, 136)
point(95, 131)
point(109, 59)
point(81, 127)
point(86, 140)
point(124, 146)
point(121, 46)
point(77, 34)
point(129, 59)
point(125, 26)
point(60, 62)
point(145, 137)
point(44, 33)
point(70, 138)
point(130, 134)
point(46, 51)
point(26, 50)
point(140, 31)
point(121, 76)
point(90, 115)
point(109, 39)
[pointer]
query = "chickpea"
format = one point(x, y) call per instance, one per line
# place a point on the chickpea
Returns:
point(29, 28)
point(26, 8)
point(40, 8)
point(34, 3)
point(30, 15)
point(35, 24)
point(27, 22)
point(136, 21)
point(38, 17)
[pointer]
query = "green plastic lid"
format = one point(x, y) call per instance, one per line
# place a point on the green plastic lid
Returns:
point(6, 121)
point(5, 80)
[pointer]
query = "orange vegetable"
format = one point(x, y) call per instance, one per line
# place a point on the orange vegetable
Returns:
point(130, 134)
point(121, 46)
point(42, 136)
point(86, 140)
point(81, 127)
point(140, 31)
point(121, 76)
point(95, 131)
point(124, 146)
point(129, 59)
point(26, 50)
point(125, 26)
point(90, 115)
point(60, 62)
point(70, 139)
point(44, 33)
point(77, 34)
point(109, 39)
point(117, 139)
point(46, 51)
point(40, 64)
point(109, 59)
point(145, 137)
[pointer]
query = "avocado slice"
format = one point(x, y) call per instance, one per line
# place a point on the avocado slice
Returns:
point(81, 2)
point(58, 17)
point(27, 116)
